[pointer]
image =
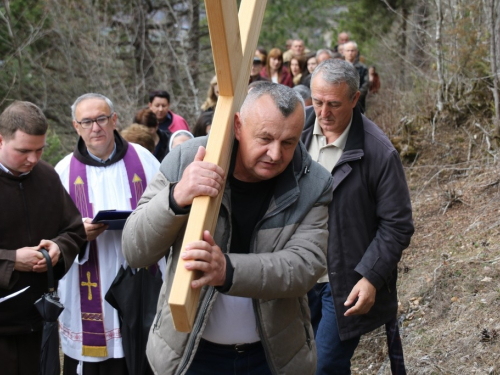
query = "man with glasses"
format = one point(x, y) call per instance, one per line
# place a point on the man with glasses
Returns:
point(104, 172)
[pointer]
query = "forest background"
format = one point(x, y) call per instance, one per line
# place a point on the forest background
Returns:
point(439, 63)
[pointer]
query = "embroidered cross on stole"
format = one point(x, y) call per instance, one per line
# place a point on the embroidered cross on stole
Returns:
point(91, 296)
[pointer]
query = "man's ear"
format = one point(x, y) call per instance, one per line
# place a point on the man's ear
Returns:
point(237, 125)
point(355, 100)
point(75, 125)
point(114, 118)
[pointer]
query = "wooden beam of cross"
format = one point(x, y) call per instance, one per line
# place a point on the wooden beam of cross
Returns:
point(234, 36)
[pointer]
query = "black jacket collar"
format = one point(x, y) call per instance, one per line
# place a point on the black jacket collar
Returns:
point(81, 154)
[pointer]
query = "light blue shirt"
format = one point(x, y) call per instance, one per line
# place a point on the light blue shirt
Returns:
point(98, 159)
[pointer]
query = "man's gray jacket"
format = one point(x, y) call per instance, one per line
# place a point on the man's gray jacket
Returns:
point(370, 222)
point(287, 256)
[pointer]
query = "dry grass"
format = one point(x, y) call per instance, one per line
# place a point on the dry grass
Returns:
point(449, 289)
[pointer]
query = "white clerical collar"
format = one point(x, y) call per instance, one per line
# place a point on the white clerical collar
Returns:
point(98, 159)
point(6, 170)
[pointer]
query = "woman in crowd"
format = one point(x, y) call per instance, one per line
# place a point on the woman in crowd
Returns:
point(179, 137)
point(275, 71)
point(297, 69)
point(203, 124)
point(311, 64)
point(161, 139)
point(139, 134)
point(212, 96)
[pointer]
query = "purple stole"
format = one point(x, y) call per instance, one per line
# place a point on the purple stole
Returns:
point(91, 297)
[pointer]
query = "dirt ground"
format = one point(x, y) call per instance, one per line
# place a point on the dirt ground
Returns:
point(449, 291)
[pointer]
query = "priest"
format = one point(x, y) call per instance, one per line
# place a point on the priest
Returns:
point(104, 172)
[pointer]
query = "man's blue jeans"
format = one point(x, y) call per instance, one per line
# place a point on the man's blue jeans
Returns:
point(334, 356)
point(214, 359)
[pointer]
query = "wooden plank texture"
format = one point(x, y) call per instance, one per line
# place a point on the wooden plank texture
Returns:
point(233, 55)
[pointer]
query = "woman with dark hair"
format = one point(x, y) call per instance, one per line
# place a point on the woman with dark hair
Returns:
point(203, 124)
point(297, 69)
point(311, 63)
point(275, 71)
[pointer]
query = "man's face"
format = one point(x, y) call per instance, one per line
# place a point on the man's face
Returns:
point(332, 104)
point(22, 152)
point(298, 47)
point(160, 107)
point(322, 57)
point(350, 52)
point(267, 140)
point(100, 140)
point(256, 68)
point(343, 38)
point(341, 49)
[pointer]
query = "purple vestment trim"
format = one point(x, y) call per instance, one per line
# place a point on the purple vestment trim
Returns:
point(94, 338)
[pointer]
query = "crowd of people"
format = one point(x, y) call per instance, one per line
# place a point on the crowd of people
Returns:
point(314, 218)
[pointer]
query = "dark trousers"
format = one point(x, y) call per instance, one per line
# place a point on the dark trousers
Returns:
point(20, 354)
point(112, 366)
point(334, 355)
point(215, 359)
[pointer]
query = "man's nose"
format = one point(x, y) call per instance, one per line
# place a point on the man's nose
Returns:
point(324, 111)
point(33, 158)
point(95, 126)
point(274, 151)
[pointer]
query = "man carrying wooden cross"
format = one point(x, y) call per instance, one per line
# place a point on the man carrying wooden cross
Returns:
point(267, 251)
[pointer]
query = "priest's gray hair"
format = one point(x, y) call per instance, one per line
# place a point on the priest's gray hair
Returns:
point(336, 71)
point(285, 98)
point(91, 96)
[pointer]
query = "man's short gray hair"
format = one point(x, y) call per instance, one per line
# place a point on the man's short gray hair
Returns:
point(303, 91)
point(285, 98)
point(323, 51)
point(336, 71)
point(90, 96)
point(353, 43)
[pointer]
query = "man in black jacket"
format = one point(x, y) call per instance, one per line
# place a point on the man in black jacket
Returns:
point(35, 212)
point(370, 220)
point(351, 54)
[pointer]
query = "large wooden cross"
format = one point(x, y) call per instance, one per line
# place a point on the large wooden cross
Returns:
point(234, 36)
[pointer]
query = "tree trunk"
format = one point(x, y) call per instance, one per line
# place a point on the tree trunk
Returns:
point(494, 26)
point(402, 45)
point(439, 57)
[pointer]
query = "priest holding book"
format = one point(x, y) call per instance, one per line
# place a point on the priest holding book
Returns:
point(104, 172)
